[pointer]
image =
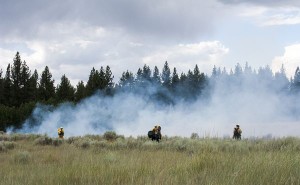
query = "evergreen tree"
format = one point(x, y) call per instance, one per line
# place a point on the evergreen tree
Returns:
point(183, 86)
point(296, 81)
point(146, 73)
point(156, 77)
point(238, 71)
point(33, 86)
point(16, 77)
point(80, 91)
point(175, 80)
point(65, 91)
point(265, 76)
point(7, 85)
point(108, 81)
point(92, 82)
point(127, 80)
point(198, 80)
point(101, 80)
point(281, 81)
point(166, 75)
point(1, 88)
point(46, 85)
point(248, 69)
point(139, 77)
point(26, 92)
point(214, 73)
point(108, 78)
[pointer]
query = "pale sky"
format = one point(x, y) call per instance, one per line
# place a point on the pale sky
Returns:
point(72, 36)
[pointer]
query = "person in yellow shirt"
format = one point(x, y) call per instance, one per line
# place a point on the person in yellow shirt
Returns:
point(61, 133)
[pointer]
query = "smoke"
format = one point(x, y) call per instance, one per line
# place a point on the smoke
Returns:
point(258, 106)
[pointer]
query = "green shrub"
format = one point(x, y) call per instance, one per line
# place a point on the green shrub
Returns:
point(83, 143)
point(2, 147)
point(57, 142)
point(6, 145)
point(9, 144)
point(4, 137)
point(110, 136)
point(44, 140)
point(195, 136)
point(71, 140)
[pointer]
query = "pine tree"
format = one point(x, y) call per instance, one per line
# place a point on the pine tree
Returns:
point(108, 78)
point(139, 77)
point(281, 81)
point(296, 81)
point(80, 91)
point(65, 91)
point(146, 73)
point(1, 88)
point(166, 75)
point(127, 80)
point(93, 82)
point(16, 77)
point(238, 71)
point(248, 69)
point(214, 73)
point(7, 85)
point(101, 79)
point(175, 80)
point(46, 86)
point(156, 77)
point(25, 83)
point(33, 86)
point(198, 80)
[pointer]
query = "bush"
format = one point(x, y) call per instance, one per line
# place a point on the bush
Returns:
point(6, 145)
point(57, 142)
point(2, 147)
point(4, 137)
point(45, 140)
point(83, 143)
point(195, 136)
point(9, 145)
point(110, 136)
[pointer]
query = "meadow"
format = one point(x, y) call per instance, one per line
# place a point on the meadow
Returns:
point(112, 159)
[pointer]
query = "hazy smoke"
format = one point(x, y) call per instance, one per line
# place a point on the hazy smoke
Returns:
point(258, 107)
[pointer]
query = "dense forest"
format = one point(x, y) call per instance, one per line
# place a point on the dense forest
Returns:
point(21, 89)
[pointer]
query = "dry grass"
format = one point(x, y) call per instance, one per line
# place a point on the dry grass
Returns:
point(95, 160)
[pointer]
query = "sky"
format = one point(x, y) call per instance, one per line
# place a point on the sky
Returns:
point(72, 36)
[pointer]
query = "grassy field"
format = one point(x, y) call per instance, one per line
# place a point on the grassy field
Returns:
point(95, 159)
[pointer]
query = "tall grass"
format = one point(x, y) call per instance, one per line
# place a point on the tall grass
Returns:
point(96, 159)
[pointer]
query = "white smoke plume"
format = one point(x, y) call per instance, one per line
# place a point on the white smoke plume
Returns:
point(260, 110)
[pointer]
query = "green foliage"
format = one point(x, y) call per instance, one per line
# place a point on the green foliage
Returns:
point(195, 136)
point(46, 85)
point(44, 140)
point(7, 145)
point(110, 136)
point(80, 91)
point(65, 91)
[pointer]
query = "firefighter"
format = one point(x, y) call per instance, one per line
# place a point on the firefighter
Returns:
point(155, 129)
point(61, 133)
point(237, 132)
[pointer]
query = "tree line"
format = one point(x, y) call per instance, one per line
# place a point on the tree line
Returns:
point(21, 89)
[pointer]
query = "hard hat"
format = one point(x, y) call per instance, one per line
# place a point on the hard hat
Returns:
point(61, 127)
